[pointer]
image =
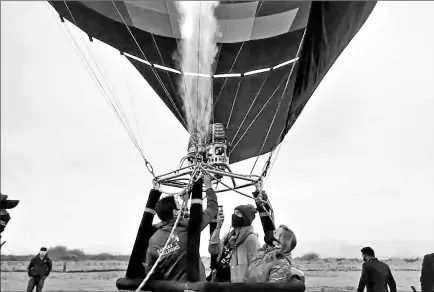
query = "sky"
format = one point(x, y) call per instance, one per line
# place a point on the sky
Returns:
point(356, 169)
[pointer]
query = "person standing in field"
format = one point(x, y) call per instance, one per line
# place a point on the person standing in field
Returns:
point(427, 273)
point(376, 275)
point(39, 269)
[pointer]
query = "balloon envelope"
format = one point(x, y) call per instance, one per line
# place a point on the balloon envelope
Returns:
point(258, 109)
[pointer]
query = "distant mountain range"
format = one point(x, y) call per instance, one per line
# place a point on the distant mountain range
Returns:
point(383, 249)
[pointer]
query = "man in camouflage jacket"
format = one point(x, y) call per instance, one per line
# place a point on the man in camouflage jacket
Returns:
point(273, 264)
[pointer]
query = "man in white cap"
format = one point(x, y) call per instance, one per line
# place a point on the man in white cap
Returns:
point(39, 269)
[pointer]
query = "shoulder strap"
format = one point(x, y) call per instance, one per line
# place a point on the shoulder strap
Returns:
point(250, 233)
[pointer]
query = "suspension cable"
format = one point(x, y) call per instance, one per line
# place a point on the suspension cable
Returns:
point(162, 252)
point(251, 106)
point(233, 103)
point(233, 64)
point(184, 204)
point(272, 164)
point(152, 67)
point(258, 114)
point(92, 72)
point(134, 106)
point(290, 103)
point(119, 114)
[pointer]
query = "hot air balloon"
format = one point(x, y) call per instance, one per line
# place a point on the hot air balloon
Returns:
point(272, 55)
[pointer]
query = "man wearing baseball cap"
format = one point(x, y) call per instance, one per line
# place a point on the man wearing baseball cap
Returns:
point(39, 269)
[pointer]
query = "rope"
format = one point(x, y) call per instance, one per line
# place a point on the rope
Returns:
point(272, 164)
point(162, 61)
point(251, 105)
point(162, 252)
point(91, 71)
point(280, 102)
point(236, 57)
point(133, 104)
point(171, 232)
point(290, 103)
point(119, 113)
point(257, 115)
point(233, 103)
point(198, 168)
point(152, 68)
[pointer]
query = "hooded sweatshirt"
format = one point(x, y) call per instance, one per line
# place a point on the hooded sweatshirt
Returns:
point(172, 266)
point(244, 243)
point(273, 265)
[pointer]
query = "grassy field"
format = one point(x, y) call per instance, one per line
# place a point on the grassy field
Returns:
point(102, 275)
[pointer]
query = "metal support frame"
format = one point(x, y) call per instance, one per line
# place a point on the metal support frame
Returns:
point(180, 177)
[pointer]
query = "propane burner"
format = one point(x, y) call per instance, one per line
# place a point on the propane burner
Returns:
point(216, 146)
point(206, 155)
point(196, 148)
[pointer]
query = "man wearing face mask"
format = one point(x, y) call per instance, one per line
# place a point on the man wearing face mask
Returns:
point(39, 269)
point(172, 266)
point(237, 248)
point(376, 275)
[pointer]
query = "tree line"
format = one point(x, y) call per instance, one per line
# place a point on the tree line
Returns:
point(62, 253)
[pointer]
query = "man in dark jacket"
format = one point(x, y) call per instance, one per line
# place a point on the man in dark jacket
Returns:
point(376, 275)
point(173, 263)
point(39, 269)
point(427, 273)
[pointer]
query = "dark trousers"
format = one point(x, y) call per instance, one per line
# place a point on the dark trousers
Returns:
point(38, 282)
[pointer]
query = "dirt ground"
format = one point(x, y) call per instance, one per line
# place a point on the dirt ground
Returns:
point(106, 281)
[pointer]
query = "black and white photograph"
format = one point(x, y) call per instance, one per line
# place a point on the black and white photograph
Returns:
point(217, 146)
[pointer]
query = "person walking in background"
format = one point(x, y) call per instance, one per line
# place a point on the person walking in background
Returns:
point(427, 273)
point(39, 269)
point(376, 275)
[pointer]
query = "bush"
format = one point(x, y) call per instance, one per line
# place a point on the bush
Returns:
point(103, 257)
point(311, 256)
point(408, 261)
point(62, 253)
point(16, 258)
